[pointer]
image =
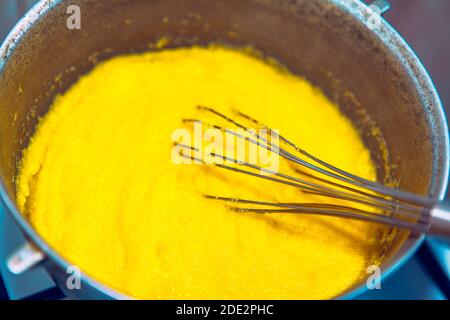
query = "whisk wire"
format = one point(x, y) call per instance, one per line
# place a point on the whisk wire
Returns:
point(319, 209)
point(406, 210)
point(309, 186)
point(339, 174)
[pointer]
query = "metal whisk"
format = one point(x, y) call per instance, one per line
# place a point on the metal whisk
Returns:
point(419, 214)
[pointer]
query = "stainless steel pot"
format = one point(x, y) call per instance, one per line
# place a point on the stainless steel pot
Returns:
point(363, 65)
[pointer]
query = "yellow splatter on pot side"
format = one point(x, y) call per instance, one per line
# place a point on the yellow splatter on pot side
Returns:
point(98, 183)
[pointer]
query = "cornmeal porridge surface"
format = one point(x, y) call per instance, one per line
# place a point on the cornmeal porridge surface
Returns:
point(98, 183)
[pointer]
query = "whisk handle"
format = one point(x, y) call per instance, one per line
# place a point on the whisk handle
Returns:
point(440, 221)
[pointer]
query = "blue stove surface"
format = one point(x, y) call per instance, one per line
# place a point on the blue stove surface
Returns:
point(425, 276)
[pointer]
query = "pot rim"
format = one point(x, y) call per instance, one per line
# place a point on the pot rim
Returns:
point(406, 56)
point(386, 33)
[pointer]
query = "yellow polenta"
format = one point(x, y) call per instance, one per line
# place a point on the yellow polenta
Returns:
point(98, 182)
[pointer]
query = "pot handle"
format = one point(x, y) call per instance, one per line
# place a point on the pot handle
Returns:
point(381, 5)
point(24, 258)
